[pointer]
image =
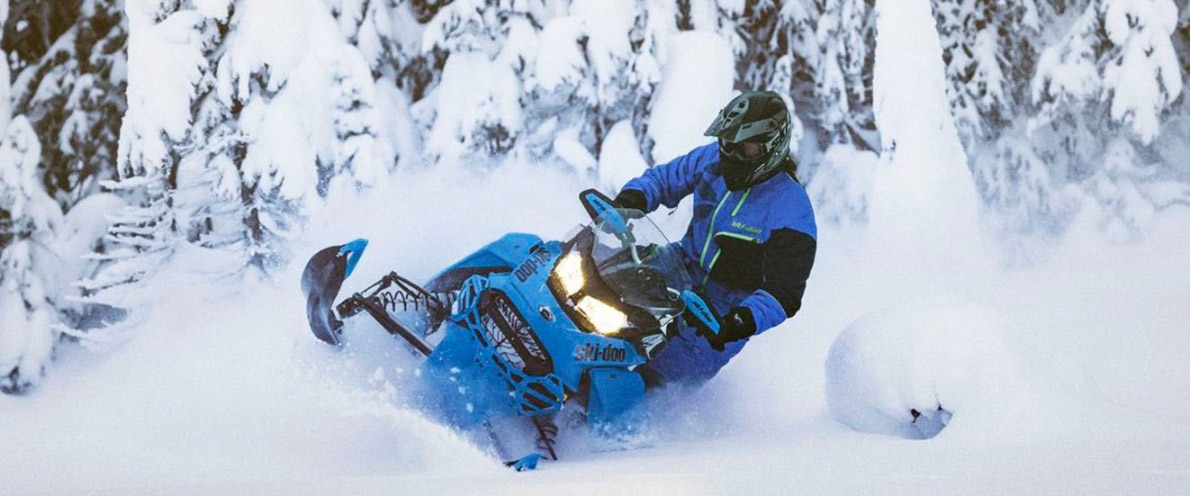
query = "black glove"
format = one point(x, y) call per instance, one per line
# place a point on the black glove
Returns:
point(631, 199)
point(737, 324)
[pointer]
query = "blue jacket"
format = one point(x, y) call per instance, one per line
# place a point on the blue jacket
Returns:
point(753, 247)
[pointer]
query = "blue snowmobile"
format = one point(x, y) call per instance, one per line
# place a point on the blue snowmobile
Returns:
point(524, 328)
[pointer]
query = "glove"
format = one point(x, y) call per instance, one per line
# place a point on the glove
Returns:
point(631, 199)
point(737, 324)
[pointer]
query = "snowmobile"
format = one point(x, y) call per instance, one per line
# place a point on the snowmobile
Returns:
point(524, 328)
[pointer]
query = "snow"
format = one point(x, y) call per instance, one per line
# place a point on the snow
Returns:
point(265, 44)
point(571, 150)
point(560, 57)
point(923, 164)
point(1066, 376)
point(620, 160)
point(936, 359)
point(841, 186)
point(607, 23)
point(696, 83)
point(477, 99)
point(162, 72)
point(225, 391)
point(82, 228)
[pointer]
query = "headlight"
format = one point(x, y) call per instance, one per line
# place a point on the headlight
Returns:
point(603, 317)
point(607, 320)
point(570, 273)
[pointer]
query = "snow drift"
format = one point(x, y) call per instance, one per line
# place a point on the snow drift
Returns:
point(906, 371)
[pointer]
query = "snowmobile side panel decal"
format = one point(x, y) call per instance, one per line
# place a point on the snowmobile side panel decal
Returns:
point(592, 352)
point(529, 267)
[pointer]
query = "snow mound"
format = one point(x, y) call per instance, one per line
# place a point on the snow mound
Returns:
point(909, 371)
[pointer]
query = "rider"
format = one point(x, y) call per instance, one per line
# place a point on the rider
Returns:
point(751, 243)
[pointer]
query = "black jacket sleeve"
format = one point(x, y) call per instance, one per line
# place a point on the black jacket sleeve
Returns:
point(788, 259)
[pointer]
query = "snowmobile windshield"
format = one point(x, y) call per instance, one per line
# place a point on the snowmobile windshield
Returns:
point(621, 277)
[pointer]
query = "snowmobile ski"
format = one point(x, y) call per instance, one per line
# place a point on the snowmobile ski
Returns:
point(321, 281)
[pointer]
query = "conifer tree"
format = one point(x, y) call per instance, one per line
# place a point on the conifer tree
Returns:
point(29, 220)
point(1113, 77)
point(487, 47)
point(1116, 65)
point(598, 66)
point(73, 91)
point(842, 83)
point(989, 48)
point(166, 67)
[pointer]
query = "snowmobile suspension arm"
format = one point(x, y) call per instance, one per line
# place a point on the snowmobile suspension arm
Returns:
point(370, 301)
point(392, 326)
point(404, 293)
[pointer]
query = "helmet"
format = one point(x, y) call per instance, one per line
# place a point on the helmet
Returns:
point(753, 132)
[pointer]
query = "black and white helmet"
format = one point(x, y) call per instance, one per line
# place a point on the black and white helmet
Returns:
point(753, 132)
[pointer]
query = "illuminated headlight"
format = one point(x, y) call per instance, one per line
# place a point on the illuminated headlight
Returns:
point(570, 273)
point(607, 320)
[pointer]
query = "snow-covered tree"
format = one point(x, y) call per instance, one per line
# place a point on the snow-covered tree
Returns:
point(388, 35)
point(166, 43)
point(596, 67)
point(1183, 38)
point(1019, 189)
point(67, 97)
point(924, 204)
point(1115, 65)
point(476, 107)
point(29, 220)
point(1173, 143)
point(698, 81)
point(990, 49)
point(238, 112)
point(33, 27)
point(355, 150)
point(1114, 74)
point(818, 52)
point(987, 46)
point(73, 92)
point(842, 76)
point(757, 31)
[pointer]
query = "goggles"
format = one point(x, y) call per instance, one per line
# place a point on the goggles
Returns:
point(745, 150)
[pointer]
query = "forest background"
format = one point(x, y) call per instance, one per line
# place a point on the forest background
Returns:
point(138, 132)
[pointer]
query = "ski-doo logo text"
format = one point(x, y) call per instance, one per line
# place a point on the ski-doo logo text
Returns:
point(596, 353)
point(530, 266)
